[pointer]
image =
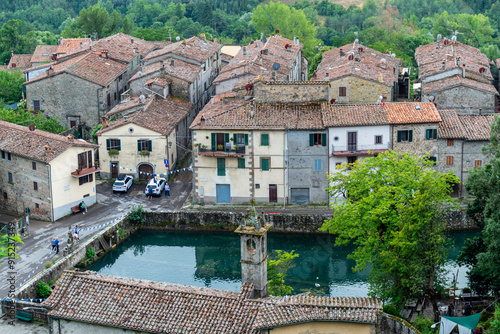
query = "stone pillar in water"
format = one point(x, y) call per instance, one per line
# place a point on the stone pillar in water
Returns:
point(253, 243)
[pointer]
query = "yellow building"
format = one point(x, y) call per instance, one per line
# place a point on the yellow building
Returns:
point(142, 135)
point(44, 172)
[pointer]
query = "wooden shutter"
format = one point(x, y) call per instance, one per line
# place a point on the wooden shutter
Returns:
point(264, 139)
point(80, 181)
point(246, 139)
point(91, 177)
point(241, 162)
point(449, 160)
point(139, 146)
point(323, 139)
point(428, 134)
point(435, 134)
point(118, 145)
point(108, 144)
point(399, 136)
point(214, 142)
point(477, 164)
point(264, 163)
point(311, 139)
point(221, 166)
point(450, 142)
point(410, 135)
point(235, 139)
point(150, 145)
point(226, 138)
point(89, 162)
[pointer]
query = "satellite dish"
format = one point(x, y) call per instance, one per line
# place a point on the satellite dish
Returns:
point(32, 128)
point(14, 65)
point(177, 38)
point(249, 87)
point(276, 66)
point(139, 73)
point(141, 98)
point(356, 40)
point(383, 60)
point(482, 70)
point(454, 38)
point(264, 40)
point(332, 101)
point(393, 55)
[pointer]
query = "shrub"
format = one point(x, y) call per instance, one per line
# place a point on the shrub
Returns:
point(90, 253)
point(391, 309)
point(466, 290)
point(135, 215)
point(43, 290)
point(423, 324)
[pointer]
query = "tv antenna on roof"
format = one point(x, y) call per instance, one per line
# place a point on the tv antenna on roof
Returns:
point(276, 66)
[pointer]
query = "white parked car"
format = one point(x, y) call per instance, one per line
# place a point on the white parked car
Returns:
point(157, 186)
point(124, 184)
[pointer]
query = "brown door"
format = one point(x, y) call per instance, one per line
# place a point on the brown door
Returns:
point(273, 193)
point(72, 124)
point(220, 142)
point(114, 170)
point(145, 172)
point(352, 141)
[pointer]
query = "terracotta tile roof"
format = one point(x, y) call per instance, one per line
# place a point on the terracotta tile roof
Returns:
point(336, 64)
point(132, 103)
point(165, 307)
point(254, 63)
point(21, 61)
point(431, 56)
point(477, 127)
point(88, 66)
point(194, 48)
point(158, 114)
point(70, 44)
point(412, 112)
point(456, 81)
point(43, 53)
point(335, 115)
point(181, 69)
point(162, 82)
point(37, 145)
point(237, 114)
point(451, 127)
point(120, 47)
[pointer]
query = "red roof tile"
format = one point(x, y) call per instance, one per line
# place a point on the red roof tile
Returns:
point(456, 81)
point(411, 112)
point(165, 307)
point(181, 70)
point(70, 44)
point(21, 62)
point(194, 48)
point(451, 127)
point(372, 65)
point(477, 127)
point(157, 114)
point(43, 53)
point(37, 145)
point(336, 115)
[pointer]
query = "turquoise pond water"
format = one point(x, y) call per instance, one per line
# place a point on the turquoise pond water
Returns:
point(212, 259)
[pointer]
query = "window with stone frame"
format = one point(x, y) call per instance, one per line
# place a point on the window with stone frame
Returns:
point(36, 105)
point(10, 177)
point(144, 145)
point(33, 165)
point(405, 136)
point(113, 144)
point(342, 91)
point(35, 186)
point(477, 164)
point(449, 160)
point(450, 142)
point(431, 134)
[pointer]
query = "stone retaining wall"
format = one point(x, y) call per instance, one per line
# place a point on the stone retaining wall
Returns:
point(389, 324)
point(9, 309)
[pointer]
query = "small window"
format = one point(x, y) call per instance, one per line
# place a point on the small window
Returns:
point(378, 139)
point(33, 165)
point(431, 133)
point(477, 164)
point(351, 160)
point(36, 105)
point(241, 139)
point(5, 195)
point(86, 179)
point(9, 156)
point(342, 91)
point(11, 178)
point(264, 139)
point(317, 139)
point(405, 136)
point(120, 77)
point(434, 160)
point(318, 165)
point(449, 160)
point(3, 154)
point(113, 144)
point(241, 162)
point(115, 96)
point(450, 142)
point(37, 206)
point(35, 186)
point(338, 164)
point(265, 163)
point(221, 167)
point(144, 145)
point(257, 186)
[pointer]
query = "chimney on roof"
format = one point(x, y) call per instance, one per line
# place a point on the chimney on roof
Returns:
point(104, 54)
point(273, 75)
point(213, 100)
point(244, 50)
point(342, 53)
point(70, 138)
point(131, 41)
point(251, 110)
point(54, 56)
point(203, 36)
point(12, 53)
point(297, 41)
point(60, 41)
point(443, 65)
point(50, 71)
point(327, 74)
point(266, 51)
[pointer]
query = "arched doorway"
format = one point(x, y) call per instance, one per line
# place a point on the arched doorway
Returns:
point(145, 172)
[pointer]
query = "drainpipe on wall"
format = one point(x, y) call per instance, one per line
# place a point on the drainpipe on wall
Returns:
point(98, 106)
point(168, 157)
point(285, 168)
point(50, 187)
point(462, 169)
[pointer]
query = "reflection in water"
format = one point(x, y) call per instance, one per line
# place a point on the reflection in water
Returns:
point(213, 260)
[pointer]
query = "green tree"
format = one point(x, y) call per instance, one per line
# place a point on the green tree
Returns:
point(11, 84)
point(390, 207)
point(15, 36)
point(276, 272)
point(127, 26)
point(94, 19)
point(25, 117)
point(290, 22)
point(7, 245)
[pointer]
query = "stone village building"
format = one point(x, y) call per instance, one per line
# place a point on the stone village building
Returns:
point(83, 85)
point(44, 54)
point(44, 172)
point(94, 303)
point(271, 59)
point(145, 133)
point(272, 148)
point(456, 76)
point(460, 142)
point(358, 74)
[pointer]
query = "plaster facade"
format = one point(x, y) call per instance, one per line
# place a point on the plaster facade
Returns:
point(326, 327)
point(129, 157)
point(307, 168)
point(463, 99)
point(228, 85)
point(359, 90)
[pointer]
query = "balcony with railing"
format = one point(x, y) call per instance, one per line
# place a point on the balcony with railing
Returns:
point(235, 151)
point(357, 150)
point(82, 170)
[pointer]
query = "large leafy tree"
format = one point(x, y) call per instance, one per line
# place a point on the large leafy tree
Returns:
point(15, 36)
point(94, 19)
point(482, 253)
point(11, 84)
point(390, 206)
point(277, 268)
point(289, 21)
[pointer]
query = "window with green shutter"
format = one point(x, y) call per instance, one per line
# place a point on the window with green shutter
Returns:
point(241, 162)
point(144, 145)
point(132, 65)
point(264, 163)
point(214, 142)
point(113, 144)
point(264, 139)
point(317, 139)
point(405, 136)
point(221, 167)
point(431, 134)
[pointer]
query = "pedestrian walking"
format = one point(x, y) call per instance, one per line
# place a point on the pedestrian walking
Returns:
point(53, 243)
point(150, 193)
point(167, 190)
point(77, 233)
point(57, 245)
point(84, 207)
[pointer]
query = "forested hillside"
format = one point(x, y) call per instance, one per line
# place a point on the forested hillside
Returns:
point(396, 25)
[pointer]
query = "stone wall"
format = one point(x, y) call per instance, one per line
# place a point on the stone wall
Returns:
point(360, 90)
point(463, 100)
point(419, 145)
point(20, 194)
point(289, 92)
point(389, 324)
point(179, 88)
point(9, 309)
